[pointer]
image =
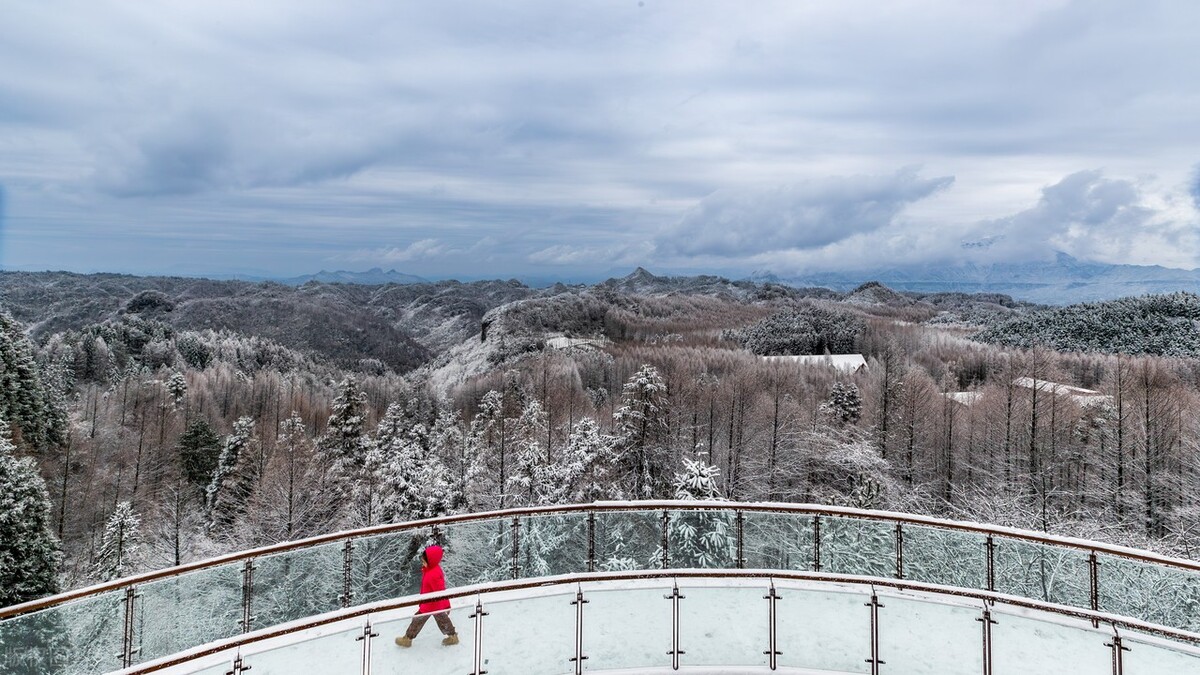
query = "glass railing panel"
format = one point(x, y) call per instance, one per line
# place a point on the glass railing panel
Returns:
point(858, 546)
point(1043, 572)
point(295, 584)
point(947, 557)
point(1047, 647)
point(191, 609)
point(927, 636)
point(823, 630)
point(554, 544)
point(476, 552)
point(427, 655)
point(80, 636)
point(702, 539)
point(628, 540)
point(779, 541)
point(530, 635)
point(388, 565)
point(628, 628)
point(1164, 595)
point(1154, 657)
point(724, 626)
point(331, 650)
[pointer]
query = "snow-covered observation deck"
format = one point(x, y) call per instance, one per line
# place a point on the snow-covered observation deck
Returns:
point(1058, 604)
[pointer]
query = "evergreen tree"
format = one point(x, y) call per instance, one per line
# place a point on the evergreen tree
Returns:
point(120, 547)
point(586, 465)
point(177, 387)
point(24, 401)
point(844, 405)
point(345, 444)
point(641, 424)
point(199, 448)
point(235, 477)
point(700, 538)
point(29, 551)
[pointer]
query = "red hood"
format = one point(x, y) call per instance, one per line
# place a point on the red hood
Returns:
point(433, 555)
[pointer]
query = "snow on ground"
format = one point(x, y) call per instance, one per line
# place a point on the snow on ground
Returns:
point(723, 628)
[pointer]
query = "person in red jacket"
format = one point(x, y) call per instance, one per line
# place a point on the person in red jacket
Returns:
point(432, 581)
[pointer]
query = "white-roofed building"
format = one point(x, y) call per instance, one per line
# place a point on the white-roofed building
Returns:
point(846, 363)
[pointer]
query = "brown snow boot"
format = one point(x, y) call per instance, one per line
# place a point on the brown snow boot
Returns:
point(450, 640)
point(404, 641)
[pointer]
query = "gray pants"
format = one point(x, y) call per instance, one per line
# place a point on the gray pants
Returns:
point(418, 622)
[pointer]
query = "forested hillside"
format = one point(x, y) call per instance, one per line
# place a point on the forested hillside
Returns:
point(160, 441)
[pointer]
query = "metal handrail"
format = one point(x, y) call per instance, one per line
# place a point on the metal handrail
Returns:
point(989, 597)
point(600, 507)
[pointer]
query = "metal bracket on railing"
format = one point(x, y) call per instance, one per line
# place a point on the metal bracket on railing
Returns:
point(247, 593)
point(772, 646)
point(478, 616)
point(578, 604)
point(238, 667)
point(874, 660)
point(365, 638)
point(516, 547)
point(990, 546)
point(1118, 653)
point(817, 543)
point(899, 551)
point(675, 597)
point(740, 522)
point(591, 535)
point(127, 642)
point(987, 622)
point(347, 567)
point(666, 541)
point(1094, 587)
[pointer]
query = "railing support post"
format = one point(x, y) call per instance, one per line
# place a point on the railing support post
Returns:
point(899, 551)
point(675, 597)
point(772, 645)
point(990, 546)
point(247, 594)
point(238, 667)
point(516, 547)
point(578, 603)
point(1118, 653)
point(591, 543)
point(347, 568)
point(1094, 578)
point(127, 648)
point(478, 616)
point(874, 660)
point(987, 622)
point(365, 638)
point(666, 539)
point(817, 543)
point(740, 522)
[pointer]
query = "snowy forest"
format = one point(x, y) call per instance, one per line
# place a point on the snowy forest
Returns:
point(135, 437)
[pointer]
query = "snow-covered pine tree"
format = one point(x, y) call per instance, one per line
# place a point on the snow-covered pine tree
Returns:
point(640, 424)
point(199, 448)
point(29, 551)
point(177, 387)
point(700, 538)
point(23, 399)
point(845, 404)
point(585, 466)
point(120, 547)
point(235, 478)
point(345, 444)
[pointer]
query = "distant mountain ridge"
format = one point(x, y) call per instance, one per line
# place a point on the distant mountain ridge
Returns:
point(1063, 281)
point(372, 277)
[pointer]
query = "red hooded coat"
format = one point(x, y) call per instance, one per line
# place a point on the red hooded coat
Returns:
point(432, 581)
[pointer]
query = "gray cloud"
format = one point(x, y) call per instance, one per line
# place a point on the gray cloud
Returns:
point(811, 214)
point(268, 136)
point(1194, 188)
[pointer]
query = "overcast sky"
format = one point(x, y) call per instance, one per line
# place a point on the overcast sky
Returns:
point(574, 139)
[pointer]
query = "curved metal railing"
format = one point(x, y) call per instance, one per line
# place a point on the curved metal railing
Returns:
point(715, 618)
point(152, 615)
